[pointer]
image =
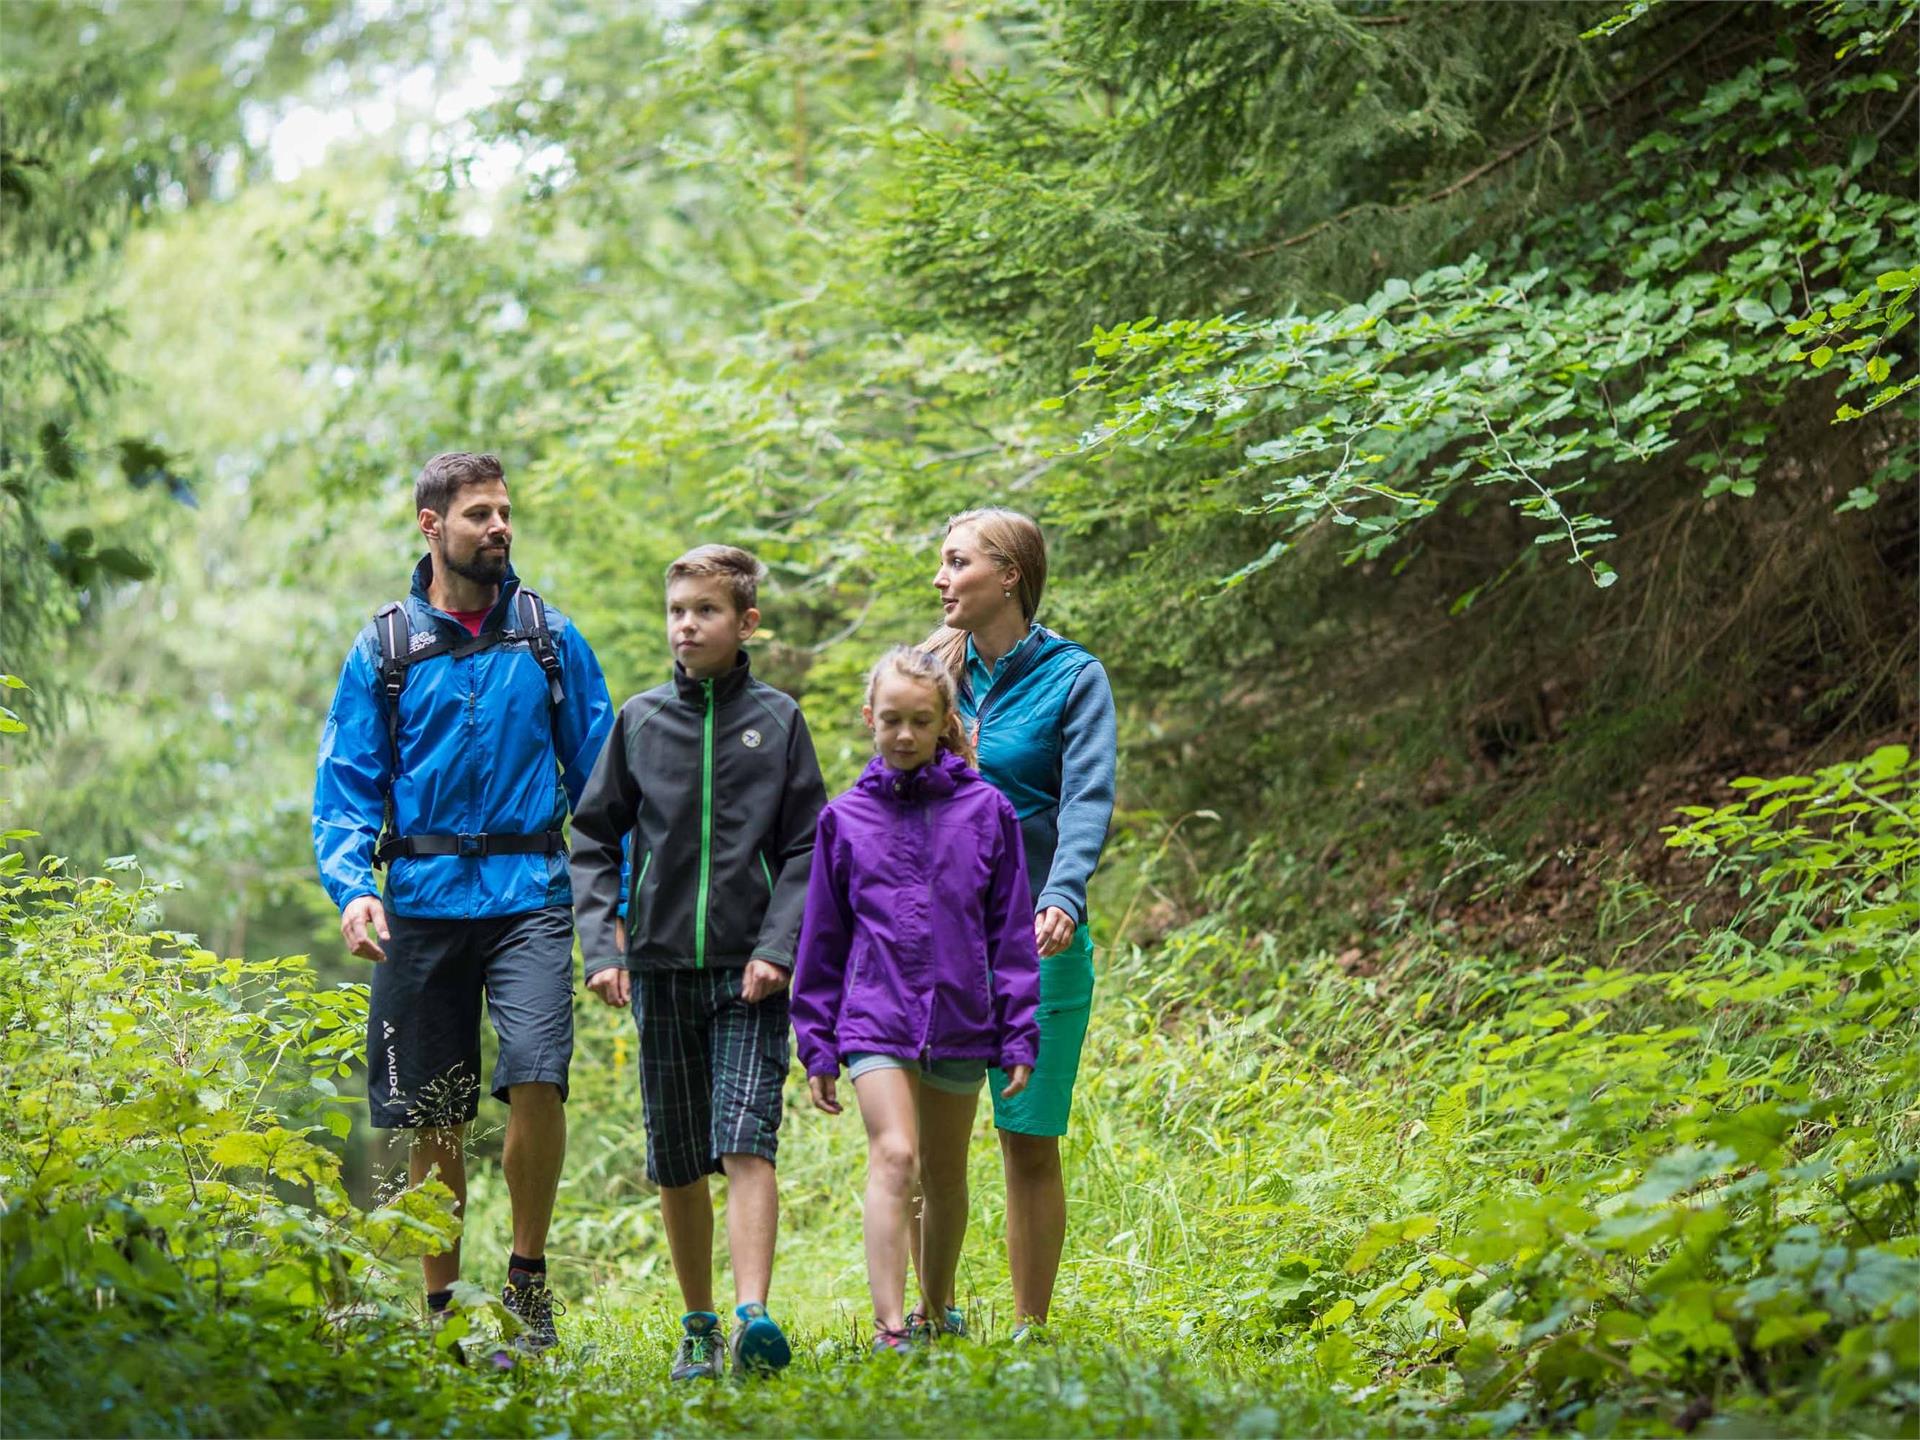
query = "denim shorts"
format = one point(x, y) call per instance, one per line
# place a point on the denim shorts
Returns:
point(955, 1077)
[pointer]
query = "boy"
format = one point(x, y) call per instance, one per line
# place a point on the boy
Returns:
point(713, 778)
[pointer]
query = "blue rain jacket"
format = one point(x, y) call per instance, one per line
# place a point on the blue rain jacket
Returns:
point(1047, 739)
point(478, 755)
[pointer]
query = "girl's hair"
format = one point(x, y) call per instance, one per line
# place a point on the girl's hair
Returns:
point(925, 668)
point(1011, 540)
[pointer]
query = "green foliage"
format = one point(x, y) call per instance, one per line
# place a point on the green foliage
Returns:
point(168, 1173)
point(1597, 1198)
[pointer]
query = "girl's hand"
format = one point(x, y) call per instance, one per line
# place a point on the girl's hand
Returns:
point(823, 1087)
point(1053, 930)
point(1017, 1079)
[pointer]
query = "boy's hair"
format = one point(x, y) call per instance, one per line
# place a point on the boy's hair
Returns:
point(441, 477)
point(737, 567)
point(912, 664)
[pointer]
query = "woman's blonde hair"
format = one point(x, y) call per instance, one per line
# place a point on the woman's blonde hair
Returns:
point(918, 665)
point(1012, 541)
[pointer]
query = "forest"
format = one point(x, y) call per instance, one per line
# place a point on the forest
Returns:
point(1479, 441)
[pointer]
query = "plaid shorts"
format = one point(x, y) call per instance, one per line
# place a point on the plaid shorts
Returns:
point(712, 1068)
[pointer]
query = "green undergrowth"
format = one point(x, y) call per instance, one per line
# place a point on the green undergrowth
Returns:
point(1454, 1194)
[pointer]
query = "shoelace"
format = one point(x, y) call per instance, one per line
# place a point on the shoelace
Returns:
point(892, 1339)
point(539, 1301)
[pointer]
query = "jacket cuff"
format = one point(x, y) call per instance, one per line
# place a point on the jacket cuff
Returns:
point(1059, 899)
point(1017, 1055)
point(829, 1068)
point(594, 967)
point(785, 962)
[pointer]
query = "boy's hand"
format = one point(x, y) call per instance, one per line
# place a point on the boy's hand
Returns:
point(823, 1089)
point(1017, 1079)
point(613, 985)
point(763, 978)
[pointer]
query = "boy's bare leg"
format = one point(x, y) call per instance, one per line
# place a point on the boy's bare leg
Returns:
point(946, 1124)
point(687, 1212)
point(753, 1217)
point(887, 1107)
point(441, 1152)
point(536, 1149)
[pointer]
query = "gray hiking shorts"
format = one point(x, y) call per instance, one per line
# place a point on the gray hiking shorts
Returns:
point(423, 1021)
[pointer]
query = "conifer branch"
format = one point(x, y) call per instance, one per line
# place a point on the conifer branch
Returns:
point(1505, 157)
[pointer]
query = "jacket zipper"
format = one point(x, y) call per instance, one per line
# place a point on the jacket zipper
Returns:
point(767, 871)
point(1003, 682)
point(926, 933)
point(706, 833)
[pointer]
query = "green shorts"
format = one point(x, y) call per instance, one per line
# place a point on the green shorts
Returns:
point(1066, 996)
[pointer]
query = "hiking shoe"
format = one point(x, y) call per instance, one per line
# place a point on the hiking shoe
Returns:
point(759, 1347)
point(528, 1298)
point(702, 1354)
point(952, 1326)
point(892, 1342)
point(1030, 1332)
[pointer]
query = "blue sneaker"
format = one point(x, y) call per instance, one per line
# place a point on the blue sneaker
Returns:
point(759, 1347)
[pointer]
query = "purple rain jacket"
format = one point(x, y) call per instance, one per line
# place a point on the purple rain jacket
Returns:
point(918, 935)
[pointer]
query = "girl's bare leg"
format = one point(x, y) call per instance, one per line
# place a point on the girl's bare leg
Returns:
point(946, 1125)
point(887, 1106)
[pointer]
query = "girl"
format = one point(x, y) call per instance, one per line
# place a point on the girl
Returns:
point(916, 968)
point(1041, 713)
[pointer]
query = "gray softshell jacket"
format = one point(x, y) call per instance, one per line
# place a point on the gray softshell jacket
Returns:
point(716, 785)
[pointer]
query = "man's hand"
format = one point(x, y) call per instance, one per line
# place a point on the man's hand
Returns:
point(1017, 1079)
point(763, 978)
point(360, 922)
point(1053, 930)
point(823, 1089)
point(613, 985)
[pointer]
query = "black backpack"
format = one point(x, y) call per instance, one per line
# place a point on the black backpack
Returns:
point(401, 648)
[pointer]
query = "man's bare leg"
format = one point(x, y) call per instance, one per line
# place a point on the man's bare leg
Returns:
point(536, 1149)
point(441, 1152)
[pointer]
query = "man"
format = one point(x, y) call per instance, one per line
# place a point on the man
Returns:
point(466, 721)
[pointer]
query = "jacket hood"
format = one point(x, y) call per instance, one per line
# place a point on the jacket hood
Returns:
point(939, 777)
point(725, 687)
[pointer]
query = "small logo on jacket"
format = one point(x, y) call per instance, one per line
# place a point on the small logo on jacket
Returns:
point(750, 739)
point(421, 639)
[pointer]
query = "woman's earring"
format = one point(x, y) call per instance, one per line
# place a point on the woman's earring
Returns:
point(1006, 594)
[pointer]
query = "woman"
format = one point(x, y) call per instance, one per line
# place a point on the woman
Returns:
point(1042, 718)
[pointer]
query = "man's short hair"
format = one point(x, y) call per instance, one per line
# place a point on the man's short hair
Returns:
point(739, 569)
point(442, 476)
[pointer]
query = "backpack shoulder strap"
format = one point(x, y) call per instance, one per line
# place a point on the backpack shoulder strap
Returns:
point(531, 613)
point(395, 633)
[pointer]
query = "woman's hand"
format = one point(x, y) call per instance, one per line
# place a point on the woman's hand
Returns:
point(1017, 1079)
point(823, 1089)
point(1053, 930)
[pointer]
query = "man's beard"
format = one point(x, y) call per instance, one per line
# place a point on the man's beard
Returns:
point(483, 567)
